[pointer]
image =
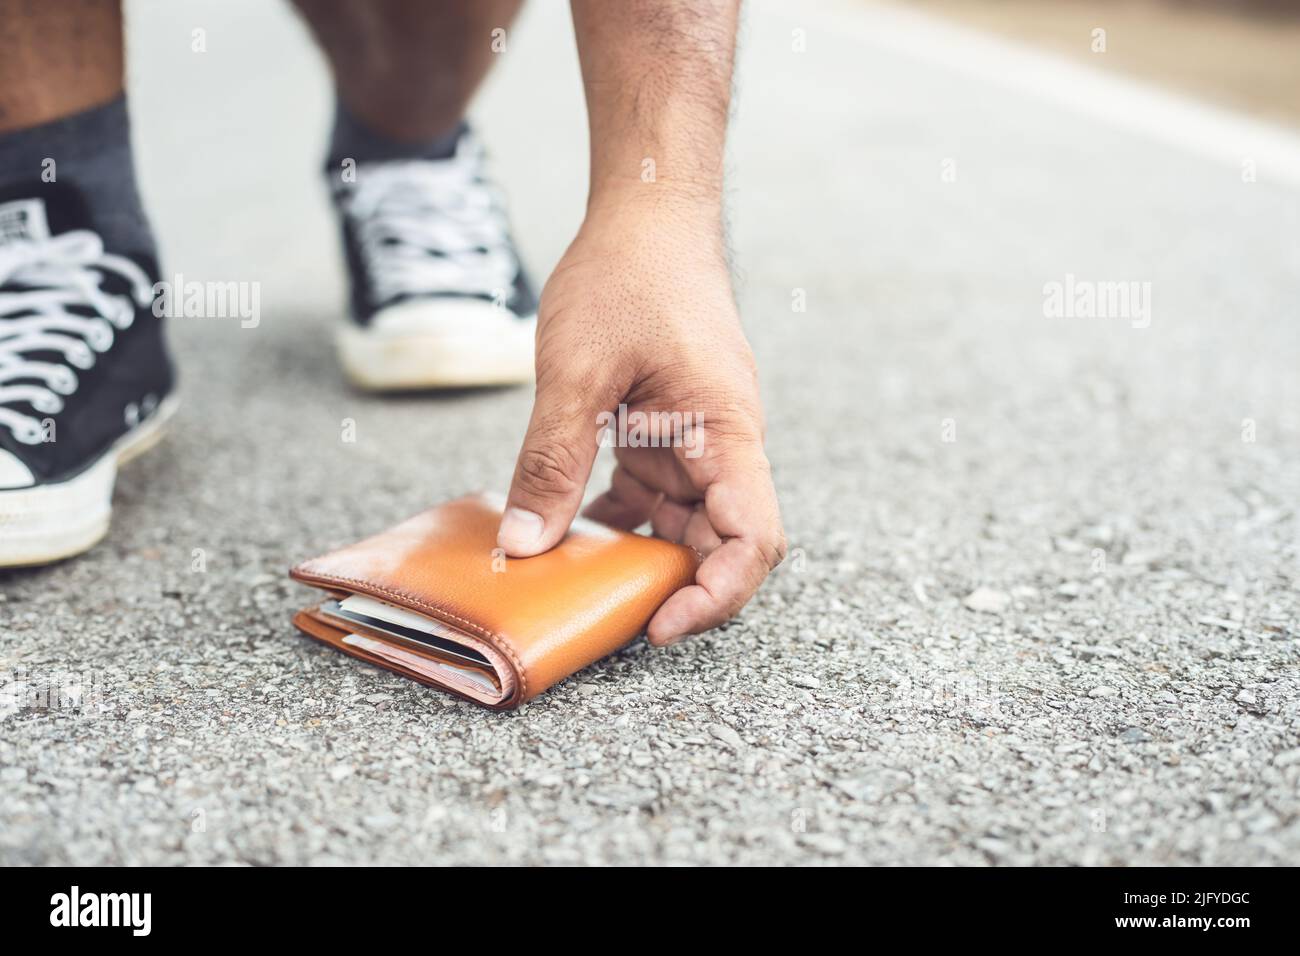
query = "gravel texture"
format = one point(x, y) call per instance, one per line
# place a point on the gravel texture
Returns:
point(1041, 605)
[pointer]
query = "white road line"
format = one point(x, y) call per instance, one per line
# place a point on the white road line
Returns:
point(1130, 104)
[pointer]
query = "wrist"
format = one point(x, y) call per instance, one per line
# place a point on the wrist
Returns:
point(659, 204)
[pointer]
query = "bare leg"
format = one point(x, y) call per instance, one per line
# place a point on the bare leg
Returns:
point(58, 59)
point(408, 68)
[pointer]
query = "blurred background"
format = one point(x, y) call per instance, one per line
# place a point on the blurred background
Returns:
point(1238, 53)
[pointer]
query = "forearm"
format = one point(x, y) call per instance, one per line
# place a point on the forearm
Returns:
point(657, 75)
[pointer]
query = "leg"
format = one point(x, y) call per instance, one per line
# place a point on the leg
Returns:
point(63, 115)
point(59, 59)
point(407, 69)
point(75, 400)
point(439, 297)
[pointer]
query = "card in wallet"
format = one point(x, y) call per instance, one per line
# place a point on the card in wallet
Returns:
point(434, 599)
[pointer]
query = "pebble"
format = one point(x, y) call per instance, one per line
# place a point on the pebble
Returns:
point(622, 798)
point(1220, 622)
point(875, 785)
point(1141, 558)
point(826, 843)
point(1103, 691)
point(994, 847)
point(1089, 651)
point(727, 736)
point(987, 600)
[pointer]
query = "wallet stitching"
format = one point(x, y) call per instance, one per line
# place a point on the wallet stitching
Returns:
point(497, 641)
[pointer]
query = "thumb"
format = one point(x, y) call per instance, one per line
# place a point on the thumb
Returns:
point(552, 470)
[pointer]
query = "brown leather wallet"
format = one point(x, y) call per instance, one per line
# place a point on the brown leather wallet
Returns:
point(435, 600)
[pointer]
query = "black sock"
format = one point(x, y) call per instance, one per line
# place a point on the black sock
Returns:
point(352, 139)
point(90, 151)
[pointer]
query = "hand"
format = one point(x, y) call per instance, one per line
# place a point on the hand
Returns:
point(640, 311)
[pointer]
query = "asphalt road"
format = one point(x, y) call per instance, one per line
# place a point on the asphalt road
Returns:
point(1123, 691)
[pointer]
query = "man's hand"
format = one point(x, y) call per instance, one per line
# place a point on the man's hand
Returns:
point(640, 311)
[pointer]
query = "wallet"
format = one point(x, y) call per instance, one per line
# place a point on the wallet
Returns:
point(434, 599)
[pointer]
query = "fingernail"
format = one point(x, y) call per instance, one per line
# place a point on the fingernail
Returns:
point(667, 639)
point(520, 530)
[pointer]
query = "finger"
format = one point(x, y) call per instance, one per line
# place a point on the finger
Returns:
point(627, 504)
point(659, 468)
point(742, 510)
point(669, 521)
point(723, 583)
point(699, 533)
point(552, 469)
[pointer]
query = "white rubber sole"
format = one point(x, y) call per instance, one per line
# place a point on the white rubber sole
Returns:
point(51, 522)
point(409, 355)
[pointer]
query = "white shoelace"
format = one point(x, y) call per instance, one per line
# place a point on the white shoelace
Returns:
point(57, 273)
point(431, 227)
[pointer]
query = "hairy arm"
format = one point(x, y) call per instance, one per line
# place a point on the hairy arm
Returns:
point(657, 75)
point(640, 313)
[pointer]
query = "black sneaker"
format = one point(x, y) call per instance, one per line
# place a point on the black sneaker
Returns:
point(85, 380)
point(439, 298)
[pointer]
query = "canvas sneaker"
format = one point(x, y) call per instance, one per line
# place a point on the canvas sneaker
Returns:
point(85, 378)
point(439, 297)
